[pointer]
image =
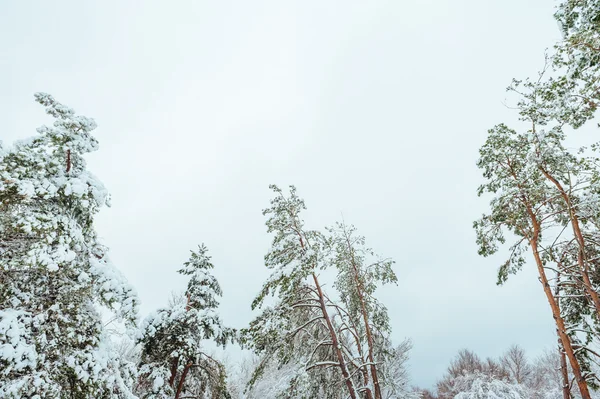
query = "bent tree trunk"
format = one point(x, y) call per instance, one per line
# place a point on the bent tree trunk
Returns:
point(560, 323)
point(365, 315)
point(581, 258)
point(334, 340)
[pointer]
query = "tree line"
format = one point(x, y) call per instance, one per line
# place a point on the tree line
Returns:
point(57, 279)
point(309, 339)
point(512, 375)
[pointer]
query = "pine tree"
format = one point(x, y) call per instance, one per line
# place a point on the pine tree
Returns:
point(360, 272)
point(299, 327)
point(554, 190)
point(547, 197)
point(340, 347)
point(173, 362)
point(577, 59)
point(55, 276)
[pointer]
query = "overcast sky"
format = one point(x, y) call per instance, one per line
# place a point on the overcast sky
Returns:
point(372, 109)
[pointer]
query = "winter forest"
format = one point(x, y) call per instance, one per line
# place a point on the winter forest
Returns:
point(327, 320)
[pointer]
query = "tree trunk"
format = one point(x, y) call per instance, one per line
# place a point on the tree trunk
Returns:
point(68, 161)
point(566, 386)
point(175, 361)
point(560, 324)
point(587, 284)
point(182, 380)
point(359, 289)
point(332, 332)
point(174, 364)
point(365, 373)
point(334, 340)
point(564, 371)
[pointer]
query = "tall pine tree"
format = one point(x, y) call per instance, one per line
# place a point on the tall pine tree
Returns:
point(339, 346)
point(54, 274)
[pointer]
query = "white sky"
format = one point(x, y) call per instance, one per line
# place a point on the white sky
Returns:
point(372, 109)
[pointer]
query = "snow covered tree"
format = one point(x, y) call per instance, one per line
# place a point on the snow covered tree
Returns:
point(546, 197)
point(515, 362)
point(546, 380)
point(464, 369)
point(55, 276)
point(580, 24)
point(360, 272)
point(555, 201)
point(299, 327)
point(335, 343)
point(577, 60)
point(394, 373)
point(485, 386)
point(480, 384)
point(468, 376)
point(274, 381)
point(173, 362)
point(567, 92)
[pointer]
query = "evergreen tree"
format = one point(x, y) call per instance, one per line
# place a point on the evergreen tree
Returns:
point(577, 59)
point(55, 276)
point(524, 206)
point(360, 272)
point(173, 362)
point(554, 205)
point(340, 347)
point(298, 328)
point(547, 196)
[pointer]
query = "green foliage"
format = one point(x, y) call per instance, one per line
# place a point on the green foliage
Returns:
point(203, 289)
point(54, 274)
point(295, 329)
point(359, 273)
point(295, 252)
point(542, 192)
point(171, 339)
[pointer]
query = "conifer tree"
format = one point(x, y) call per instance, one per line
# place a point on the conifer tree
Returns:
point(360, 272)
point(547, 196)
point(299, 327)
point(577, 59)
point(340, 345)
point(173, 362)
point(55, 275)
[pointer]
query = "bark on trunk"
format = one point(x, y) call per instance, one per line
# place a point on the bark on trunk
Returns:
point(359, 289)
point(332, 332)
point(68, 161)
point(566, 386)
point(564, 371)
point(334, 340)
point(174, 364)
point(560, 324)
point(175, 361)
point(587, 283)
point(182, 380)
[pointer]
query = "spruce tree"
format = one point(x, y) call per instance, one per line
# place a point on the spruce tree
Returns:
point(173, 362)
point(55, 276)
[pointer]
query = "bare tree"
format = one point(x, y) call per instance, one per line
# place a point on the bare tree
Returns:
point(514, 361)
